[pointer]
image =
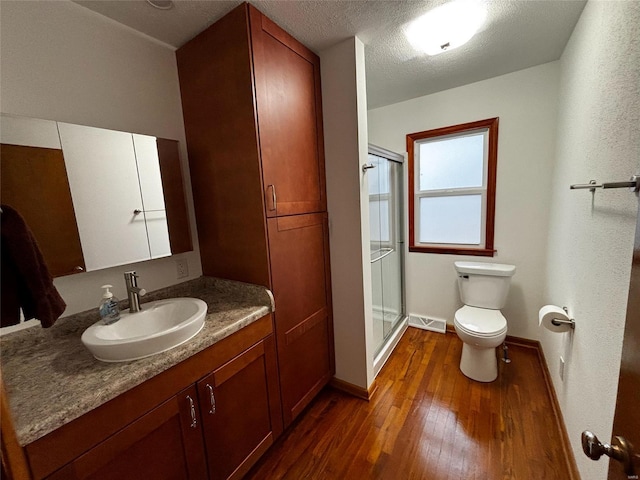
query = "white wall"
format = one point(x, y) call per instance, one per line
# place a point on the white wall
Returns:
point(526, 102)
point(61, 61)
point(345, 137)
point(591, 237)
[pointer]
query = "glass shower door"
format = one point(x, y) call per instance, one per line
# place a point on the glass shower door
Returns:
point(386, 226)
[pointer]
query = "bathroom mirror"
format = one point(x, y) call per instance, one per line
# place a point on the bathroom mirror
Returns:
point(94, 198)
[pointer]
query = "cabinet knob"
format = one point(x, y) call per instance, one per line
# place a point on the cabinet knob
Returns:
point(212, 399)
point(192, 408)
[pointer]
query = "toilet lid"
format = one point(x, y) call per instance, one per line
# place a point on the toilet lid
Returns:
point(481, 321)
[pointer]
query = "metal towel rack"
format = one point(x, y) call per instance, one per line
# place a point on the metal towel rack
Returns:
point(633, 184)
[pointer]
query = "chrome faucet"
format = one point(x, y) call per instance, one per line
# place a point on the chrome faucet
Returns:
point(133, 291)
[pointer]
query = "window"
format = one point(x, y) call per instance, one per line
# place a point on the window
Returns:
point(452, 174)
point(381, 216)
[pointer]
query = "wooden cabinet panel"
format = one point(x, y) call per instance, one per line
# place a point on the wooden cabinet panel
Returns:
point(166, 443)
point(174, 196)
point(34, 182)
point(216, 86)
point(287, 82)
point(301, 284)
point(236, 413)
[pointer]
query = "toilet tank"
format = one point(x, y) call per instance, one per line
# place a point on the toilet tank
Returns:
point(484, 285)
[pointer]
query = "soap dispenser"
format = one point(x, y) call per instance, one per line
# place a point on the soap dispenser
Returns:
point(109, 308)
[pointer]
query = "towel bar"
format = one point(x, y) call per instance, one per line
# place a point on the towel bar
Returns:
point(633, 184)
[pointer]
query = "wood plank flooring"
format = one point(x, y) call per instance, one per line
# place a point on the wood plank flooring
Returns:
point(427, 421)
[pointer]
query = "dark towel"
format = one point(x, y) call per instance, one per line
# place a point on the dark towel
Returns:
point(26, 281)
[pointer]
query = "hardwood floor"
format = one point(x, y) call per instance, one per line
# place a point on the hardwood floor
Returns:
point(427, 421)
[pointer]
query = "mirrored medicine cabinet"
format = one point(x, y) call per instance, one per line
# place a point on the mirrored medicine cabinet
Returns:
point(93, 198)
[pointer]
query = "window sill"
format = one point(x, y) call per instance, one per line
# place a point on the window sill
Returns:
point(478, 252)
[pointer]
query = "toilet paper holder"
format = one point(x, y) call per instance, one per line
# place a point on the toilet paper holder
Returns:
point(561, 321)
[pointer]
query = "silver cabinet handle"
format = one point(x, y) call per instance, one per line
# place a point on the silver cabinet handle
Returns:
point(273, 196)
point(212, 399)
point(192, 407)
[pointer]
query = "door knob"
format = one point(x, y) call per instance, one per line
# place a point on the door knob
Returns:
point(619, 450)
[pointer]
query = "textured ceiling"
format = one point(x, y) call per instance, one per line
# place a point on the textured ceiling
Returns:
point(517, 34)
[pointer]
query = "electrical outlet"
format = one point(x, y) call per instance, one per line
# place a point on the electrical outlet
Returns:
point(561, 368)
point(182, 268)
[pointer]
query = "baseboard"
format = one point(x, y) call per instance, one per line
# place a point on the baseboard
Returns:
point(354, 390)
point(523, 342)
point(520, 341)
point(557, 415)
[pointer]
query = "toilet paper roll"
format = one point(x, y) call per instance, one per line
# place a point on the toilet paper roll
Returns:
point(548, 313)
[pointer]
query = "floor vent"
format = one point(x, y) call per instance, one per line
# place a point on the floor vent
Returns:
point(432, 324)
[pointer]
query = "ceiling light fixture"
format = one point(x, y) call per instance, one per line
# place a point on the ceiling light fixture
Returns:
point(446, 27)
point(161, 4)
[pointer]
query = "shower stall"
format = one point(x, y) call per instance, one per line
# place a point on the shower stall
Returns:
point(385, 175)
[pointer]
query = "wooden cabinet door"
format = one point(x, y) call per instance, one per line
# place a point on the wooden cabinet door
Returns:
point(289, 112)
point(236, 413)
point(300, 274)
point(34, 183)
point(166, 443)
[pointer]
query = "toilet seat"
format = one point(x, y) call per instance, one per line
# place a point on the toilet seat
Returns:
point(480, 322)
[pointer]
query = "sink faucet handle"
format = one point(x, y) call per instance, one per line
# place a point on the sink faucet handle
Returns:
point(131, 279)
point(133, 291)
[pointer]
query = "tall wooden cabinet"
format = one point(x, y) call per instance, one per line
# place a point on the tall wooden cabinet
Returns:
point(253, 120)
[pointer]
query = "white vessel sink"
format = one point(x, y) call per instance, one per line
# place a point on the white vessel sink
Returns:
point(158, 327)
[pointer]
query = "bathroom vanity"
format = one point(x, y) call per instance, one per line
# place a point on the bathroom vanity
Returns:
point(210, 408)
point(206, 409)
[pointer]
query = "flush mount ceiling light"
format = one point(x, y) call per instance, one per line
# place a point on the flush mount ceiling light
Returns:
point(446, 27)
point(161, 4)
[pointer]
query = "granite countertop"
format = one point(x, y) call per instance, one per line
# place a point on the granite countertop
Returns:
point(51, 378)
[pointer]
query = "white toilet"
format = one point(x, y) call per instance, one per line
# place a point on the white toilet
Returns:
point(479, 324)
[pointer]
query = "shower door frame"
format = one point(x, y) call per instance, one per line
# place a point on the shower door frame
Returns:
point(382, 353)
